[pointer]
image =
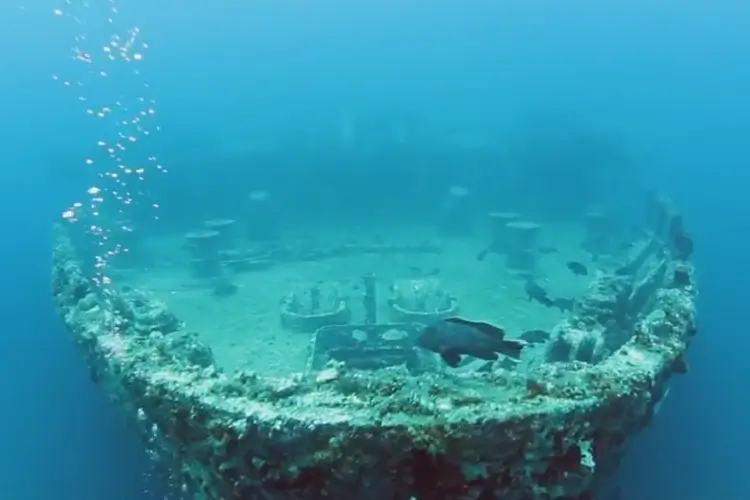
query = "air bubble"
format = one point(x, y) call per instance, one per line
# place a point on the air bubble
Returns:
point(123, 122)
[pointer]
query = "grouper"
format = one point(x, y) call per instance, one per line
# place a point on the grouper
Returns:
point(453, 338)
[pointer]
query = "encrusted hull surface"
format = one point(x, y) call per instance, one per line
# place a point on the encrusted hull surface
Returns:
point(552, 432)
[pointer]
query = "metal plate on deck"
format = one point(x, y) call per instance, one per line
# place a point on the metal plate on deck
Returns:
point(368, 347)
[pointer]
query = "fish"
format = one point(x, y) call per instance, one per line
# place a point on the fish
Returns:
point(536, 292)
point(577, 268)
point(547, 250)
point(456, 337)
point(535, 336)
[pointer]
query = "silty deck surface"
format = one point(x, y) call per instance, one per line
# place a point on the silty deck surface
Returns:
point(244, 330)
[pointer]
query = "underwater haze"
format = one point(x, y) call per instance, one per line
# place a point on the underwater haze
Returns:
point(553, 107)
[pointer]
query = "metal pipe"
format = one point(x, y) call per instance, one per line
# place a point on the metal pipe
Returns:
point(370, 300)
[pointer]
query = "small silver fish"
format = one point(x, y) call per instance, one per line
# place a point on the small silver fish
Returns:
point(453, 338)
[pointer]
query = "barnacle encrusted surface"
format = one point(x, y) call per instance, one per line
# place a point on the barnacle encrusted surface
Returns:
point(550, 432)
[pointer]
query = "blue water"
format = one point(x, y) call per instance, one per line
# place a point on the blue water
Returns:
point(670, 79)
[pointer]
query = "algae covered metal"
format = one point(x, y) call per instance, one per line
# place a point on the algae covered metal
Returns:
point(405, 429)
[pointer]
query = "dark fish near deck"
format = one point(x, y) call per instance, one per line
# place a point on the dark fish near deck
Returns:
point(536, 292)
point(535, 336)
point(577, 268)
point(453, 338)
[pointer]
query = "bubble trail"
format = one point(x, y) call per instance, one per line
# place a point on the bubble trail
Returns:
point(103, 71)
